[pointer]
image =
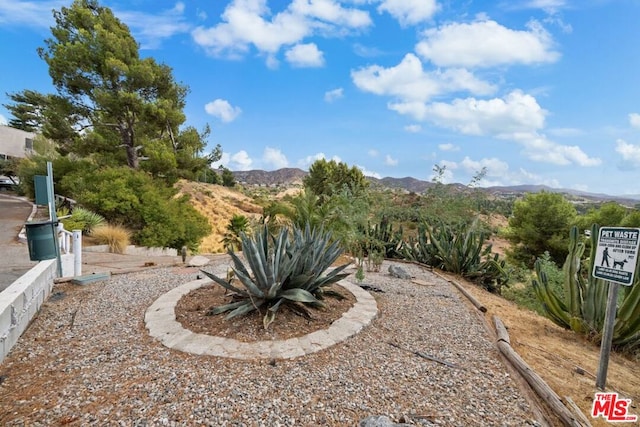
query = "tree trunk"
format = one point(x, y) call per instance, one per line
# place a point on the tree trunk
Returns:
point(128, 142)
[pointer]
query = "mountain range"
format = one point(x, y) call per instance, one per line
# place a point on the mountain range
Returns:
point(288, 177)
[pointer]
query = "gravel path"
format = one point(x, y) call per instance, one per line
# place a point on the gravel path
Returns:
point(88, 360)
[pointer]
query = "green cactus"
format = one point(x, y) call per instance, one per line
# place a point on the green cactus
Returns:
point(583, 306)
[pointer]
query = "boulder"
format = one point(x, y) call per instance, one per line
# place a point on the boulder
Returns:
point(198, 261)
point(399, 272)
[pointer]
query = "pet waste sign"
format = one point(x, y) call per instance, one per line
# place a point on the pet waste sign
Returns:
point(616, 254)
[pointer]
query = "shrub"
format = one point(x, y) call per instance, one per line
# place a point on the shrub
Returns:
point(83, 219)
point(523, 294)
point(281, 270)
point(115, 236)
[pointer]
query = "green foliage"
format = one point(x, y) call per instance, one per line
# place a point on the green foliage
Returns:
point(378, 242)
point(82, 219)
point(523, 293)
point(609, 214)
point(140, 203)
point(458, 249)
point(281, 270)
point(327, 178)
point(228, 180)
point(540, 223)
point(238, 225)
point(582, 308)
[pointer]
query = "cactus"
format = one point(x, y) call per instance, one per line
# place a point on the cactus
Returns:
point(582, 308)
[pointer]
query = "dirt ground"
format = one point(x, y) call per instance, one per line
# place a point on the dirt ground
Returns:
point(567, 362)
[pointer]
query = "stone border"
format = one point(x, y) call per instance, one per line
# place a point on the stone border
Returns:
point(160, 320)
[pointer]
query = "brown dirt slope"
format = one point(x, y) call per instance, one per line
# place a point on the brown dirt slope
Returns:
point(218, 204)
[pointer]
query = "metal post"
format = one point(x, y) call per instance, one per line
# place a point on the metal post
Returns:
point(53, 216)
point(607, 335)
point(77, 252)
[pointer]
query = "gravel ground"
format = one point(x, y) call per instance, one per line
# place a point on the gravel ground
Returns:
point(87, 360)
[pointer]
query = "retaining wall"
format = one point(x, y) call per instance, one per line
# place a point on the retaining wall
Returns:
point(22, 300)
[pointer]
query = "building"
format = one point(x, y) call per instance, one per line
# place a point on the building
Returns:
point(15, 143)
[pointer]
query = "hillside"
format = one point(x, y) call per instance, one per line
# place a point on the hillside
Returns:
point(218, 204)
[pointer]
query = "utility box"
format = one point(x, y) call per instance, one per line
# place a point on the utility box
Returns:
point(41, 190)
point(41, 240)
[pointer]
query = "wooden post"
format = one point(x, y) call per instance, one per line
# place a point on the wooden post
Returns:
point(607, 335)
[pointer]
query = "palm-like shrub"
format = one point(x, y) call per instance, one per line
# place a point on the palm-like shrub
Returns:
point(82, 219)
point(281, 270)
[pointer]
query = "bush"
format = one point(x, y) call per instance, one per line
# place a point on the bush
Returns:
point(156, 216)
point(82, 219)
point(115, 236)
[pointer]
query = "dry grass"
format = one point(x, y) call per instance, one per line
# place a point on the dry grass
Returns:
point(218, 204)
point(115, 236)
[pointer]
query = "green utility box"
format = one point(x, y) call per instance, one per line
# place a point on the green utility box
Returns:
point(41, 240)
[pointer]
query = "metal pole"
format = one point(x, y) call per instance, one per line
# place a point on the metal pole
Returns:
point(53, 216)
point(607, 335)
point(77, 252)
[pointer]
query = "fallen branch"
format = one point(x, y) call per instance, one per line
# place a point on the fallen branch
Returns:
point(425, 356)
point(464, 292)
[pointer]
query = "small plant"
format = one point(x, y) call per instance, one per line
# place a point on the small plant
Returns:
point(360, 274)
point(115, 236)
point(81, 219)
point(281, 270)
point(238, 224)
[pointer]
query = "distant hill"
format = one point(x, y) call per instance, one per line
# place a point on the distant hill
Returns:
point(292, 177)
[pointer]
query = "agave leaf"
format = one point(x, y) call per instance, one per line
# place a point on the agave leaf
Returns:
point(268, 319)
point(224, 308)
point(249, 284)
point(299, 295)
point(247, 307)
point(225, 284)
point(252, 250)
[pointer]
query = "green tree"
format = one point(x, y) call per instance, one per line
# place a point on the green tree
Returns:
point(609, 214)
point(327, 178)
point(228, 180)
point(111, 104)
point(540, 222)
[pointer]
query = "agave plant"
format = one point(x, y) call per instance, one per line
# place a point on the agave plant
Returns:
point(582, 308)
point(281, 270)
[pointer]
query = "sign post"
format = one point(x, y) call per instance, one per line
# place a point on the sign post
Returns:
point(615, 261)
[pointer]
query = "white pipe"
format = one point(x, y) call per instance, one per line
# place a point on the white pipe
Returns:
point(77, 252)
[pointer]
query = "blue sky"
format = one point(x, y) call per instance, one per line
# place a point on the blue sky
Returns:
point(536, 91)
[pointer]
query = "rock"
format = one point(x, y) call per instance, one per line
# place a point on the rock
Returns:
point(399, 272)
point(198, 261)
point(378, 421)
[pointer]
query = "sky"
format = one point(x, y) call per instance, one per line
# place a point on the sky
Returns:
point(535, 91)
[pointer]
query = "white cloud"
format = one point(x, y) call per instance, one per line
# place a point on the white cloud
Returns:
point(494, 167)
point(566, 132)
point(410, 82)
point(305, 56)
point(29, 13)
point(221, 109)
point(538, 148)
point(413, 128)
point(373, 153)
point(250, 23)
point(516, 112)
point(367, 172)
point(334, 95)
point(149, 30)
point(409, 12)
point(630, 153)
point(309, 160)
point(390, 161)
point(3, 120)
point(634, 120)
point(448, 147)
point(274, 158)
point(456, 45)
point(240, 161)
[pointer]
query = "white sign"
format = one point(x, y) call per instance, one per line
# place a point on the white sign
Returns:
point(616, 254)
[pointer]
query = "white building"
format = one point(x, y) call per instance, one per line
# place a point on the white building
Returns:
point(15, 142)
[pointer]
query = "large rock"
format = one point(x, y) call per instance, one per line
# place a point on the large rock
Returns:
point(379, 421)
point(399, 272)
point(198, 261)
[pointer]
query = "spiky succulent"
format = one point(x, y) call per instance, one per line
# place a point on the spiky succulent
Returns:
point(281, 270)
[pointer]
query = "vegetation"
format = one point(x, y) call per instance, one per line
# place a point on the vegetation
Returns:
point(238, 224)
point(327, 178)
point(540, 222)
point(115, 236)
point(80, 219)
point(582, 308)
point(281, 271)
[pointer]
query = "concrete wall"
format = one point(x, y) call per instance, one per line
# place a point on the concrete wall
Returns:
point(13, 141)
point(22, 300)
